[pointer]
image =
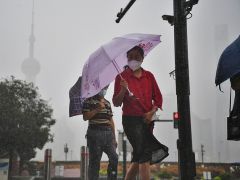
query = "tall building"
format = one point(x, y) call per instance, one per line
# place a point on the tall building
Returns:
point(221, 145)
point(202, 136)
point(30, 66)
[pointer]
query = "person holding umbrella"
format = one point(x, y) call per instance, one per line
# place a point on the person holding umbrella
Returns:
point(229, 68)
point(235, 84)
point(234, 117)
point(139, 106)
point(100, 135)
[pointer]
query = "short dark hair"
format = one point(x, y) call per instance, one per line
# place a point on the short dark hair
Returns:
point(139, 49)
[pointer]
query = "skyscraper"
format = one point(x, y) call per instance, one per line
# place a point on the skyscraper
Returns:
point(221, 145)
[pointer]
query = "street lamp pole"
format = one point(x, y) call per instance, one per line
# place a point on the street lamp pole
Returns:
point(182, 9)
point(187, 164)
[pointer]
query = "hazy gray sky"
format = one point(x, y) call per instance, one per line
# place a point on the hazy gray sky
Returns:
point(68, 31)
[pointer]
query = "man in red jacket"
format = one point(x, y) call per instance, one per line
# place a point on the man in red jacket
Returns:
point(139, 106)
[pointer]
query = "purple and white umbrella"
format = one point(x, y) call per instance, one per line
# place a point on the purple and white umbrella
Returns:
point(109, 60)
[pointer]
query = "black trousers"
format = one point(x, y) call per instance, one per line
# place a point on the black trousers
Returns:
point(99, 140)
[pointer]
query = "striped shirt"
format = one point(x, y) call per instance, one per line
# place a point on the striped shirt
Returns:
point(103, 116)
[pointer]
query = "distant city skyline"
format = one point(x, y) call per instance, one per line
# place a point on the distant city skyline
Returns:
point(67, 32)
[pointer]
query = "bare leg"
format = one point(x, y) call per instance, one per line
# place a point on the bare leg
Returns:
point(132, 171)
point(144, 171)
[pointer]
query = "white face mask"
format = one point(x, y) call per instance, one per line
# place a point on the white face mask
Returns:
point(103, 92)
point(134, 64)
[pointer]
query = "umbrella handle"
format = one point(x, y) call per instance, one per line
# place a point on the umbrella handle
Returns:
point(130, 93)
point(119, 71)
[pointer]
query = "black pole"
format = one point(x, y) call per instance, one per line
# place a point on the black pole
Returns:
point(123, 12)
point(202, 153)
point(187, 164)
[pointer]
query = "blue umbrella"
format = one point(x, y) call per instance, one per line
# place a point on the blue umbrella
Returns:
point(229, 62)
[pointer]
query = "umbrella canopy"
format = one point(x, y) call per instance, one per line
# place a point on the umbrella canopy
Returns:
point(109, 60)
point(75, 105)
point(229, 62)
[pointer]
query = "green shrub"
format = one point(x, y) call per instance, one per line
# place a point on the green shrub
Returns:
point(103, 172)
point(225, 176)
point(164, 175)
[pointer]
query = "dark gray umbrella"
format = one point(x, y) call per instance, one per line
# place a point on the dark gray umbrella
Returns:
point(229, 62)
point(75, 105)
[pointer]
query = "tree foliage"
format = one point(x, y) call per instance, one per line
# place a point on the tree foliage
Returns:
point(25, 119)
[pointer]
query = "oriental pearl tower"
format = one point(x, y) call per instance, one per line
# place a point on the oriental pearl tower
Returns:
point(30, 66)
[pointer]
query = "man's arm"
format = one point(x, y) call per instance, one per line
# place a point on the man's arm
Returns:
point(87, 115)
point(157, 100)
point(157, 95)
point(148, 116)
point(118, 99)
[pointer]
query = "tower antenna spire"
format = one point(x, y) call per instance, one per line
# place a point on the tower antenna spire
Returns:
point(30, 66)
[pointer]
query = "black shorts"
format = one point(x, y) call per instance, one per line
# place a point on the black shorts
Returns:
point(146, 148)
